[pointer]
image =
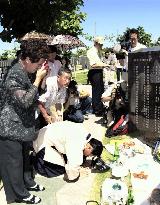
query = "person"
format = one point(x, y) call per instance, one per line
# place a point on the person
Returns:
point(17, 122)
point(95, 74)
point(78, 104)
point(134, 44)
point(109, 72)
point(53, 63)
point(66, 63)
point(54, 66)
point(69, 139)
point(51, 102)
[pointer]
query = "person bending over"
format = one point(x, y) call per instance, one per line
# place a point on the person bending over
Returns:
point(67, 139)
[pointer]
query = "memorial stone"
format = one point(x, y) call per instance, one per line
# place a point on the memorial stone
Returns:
point(144, 89)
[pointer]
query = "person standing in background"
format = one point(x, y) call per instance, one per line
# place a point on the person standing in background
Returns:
point(95, 74)
point(134, 44)
point(53, 64)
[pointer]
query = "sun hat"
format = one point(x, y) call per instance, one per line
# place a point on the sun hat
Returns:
point(99, 39)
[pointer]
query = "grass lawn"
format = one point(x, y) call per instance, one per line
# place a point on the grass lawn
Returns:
point(80, 76)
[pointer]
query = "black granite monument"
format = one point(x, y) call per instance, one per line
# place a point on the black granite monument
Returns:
point(144, 89)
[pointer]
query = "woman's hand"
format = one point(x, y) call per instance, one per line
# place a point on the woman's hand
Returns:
point(48, 119)
point(41, 73)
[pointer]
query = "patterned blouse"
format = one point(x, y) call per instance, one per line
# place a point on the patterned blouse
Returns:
point(17, 119)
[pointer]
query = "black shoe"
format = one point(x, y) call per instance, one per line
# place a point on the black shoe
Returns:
point(31, 200)
point(98, 114)
point(36, 188)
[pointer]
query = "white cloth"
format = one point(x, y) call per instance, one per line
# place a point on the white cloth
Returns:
point(54, 94)
point(138, 46)
point(68, 138)
point(93, 56)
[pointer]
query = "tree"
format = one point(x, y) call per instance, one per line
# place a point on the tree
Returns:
point(8, 54)
point(156, 43)
point(46, 16)
point(144, 38)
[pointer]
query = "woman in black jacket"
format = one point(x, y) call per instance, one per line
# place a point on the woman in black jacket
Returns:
point(17, 122)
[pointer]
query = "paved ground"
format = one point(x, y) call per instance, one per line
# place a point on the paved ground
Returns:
point(59, 192)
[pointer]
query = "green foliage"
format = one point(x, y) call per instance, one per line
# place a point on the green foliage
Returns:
point(156, 43)
point(8, 54)
point(80, 52)
point(46, 16)
point(144, 38)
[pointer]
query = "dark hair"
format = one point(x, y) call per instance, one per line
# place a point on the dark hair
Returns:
point(97, 147)
point(67, 61)
point(133, 30)
point(52, 49)
point(34, 49)
point(63, 70)
point(120, 55)
point(72, 83)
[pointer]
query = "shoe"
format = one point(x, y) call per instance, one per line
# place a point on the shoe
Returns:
point(37, 187)
point(30, 200)
point(98, 114)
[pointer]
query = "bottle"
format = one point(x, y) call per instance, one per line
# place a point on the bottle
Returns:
point(130, 199)
point(116, 152)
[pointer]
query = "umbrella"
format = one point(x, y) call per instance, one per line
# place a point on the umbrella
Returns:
point(35, 35)
point(66, 42)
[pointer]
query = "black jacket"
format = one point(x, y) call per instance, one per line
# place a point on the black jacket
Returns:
point(17, 117)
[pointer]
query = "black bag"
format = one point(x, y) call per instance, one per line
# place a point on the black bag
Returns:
point(99, 165)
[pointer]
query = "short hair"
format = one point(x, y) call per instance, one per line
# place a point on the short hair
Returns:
point(133, 30)
point(72, 84)
point(97, 147)
point(64, 70)
point(34, 49)
point(52, 49)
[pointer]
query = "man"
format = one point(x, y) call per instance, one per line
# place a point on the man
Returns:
point(135, 45)
point(51, 102)
point(69, 139)
point(95, 75)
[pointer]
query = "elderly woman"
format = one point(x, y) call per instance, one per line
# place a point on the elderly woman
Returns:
point(17, 122)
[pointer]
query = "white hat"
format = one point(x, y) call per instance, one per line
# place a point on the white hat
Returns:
point(99, 39)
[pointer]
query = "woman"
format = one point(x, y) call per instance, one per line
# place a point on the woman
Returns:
point(17, 122)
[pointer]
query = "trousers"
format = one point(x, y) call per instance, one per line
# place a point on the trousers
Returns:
point(95, 77)
point(14, 169)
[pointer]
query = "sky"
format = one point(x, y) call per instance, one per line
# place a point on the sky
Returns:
point(107, 17)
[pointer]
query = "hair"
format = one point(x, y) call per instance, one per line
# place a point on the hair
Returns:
point(133, 30)
point(52, 49)
point(72, 84)
point(67, 61)
point(63, 70)
point(97, 147)
point(34, 49)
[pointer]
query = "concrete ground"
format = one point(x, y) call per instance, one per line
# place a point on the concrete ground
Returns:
point(58, 192)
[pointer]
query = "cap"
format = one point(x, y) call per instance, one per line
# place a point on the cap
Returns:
point(99, 39)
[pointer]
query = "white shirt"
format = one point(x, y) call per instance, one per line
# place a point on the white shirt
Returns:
point(54, 94)
point(93, 56)
point(68, 138)
point(54, 67)
point(138, 46)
